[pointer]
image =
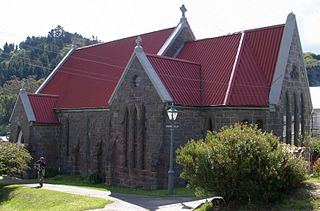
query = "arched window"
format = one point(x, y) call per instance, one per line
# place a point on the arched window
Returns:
point(296, 121)
point(20, 138)
point(135, 138)
point(288, 120)
point(126, 137)
point(143, 137)
point(302, 115)
point(88, 141)
point(259, 124)
point(209, 125)
point(67, 137)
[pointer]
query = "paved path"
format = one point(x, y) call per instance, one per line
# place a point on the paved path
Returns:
point(129, 202)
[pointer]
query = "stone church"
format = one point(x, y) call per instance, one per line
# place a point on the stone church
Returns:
point(103, 109)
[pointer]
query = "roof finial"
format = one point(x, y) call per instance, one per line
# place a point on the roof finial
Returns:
point(183, 10)
point(138, 41)
point(23, 89)
point(23, 84)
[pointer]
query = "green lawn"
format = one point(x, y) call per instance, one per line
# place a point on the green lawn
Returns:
point(83, 182)
point(15, 197)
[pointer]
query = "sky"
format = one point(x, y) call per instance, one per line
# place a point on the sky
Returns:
point(111, 20)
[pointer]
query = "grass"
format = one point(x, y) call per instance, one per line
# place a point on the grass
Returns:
point(84, 182)
point(15, 197)
point(301, 199)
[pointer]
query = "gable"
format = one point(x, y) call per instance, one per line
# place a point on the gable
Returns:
point(181, 34)
point(43, 108)
point(89, 75)
point(146, 66)
point(37, 107)
point(19, 114)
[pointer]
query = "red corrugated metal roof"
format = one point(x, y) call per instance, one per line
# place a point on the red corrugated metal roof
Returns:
point(235, 70)
point(180, 77)
point(216, 56)
point(89, 76)
point(256, 66)
point(249, 75)
point(42, 106)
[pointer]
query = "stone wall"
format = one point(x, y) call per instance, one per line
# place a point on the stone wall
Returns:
point(44, 141)
point(39, 139)
point(138, 117)
point(295, 90)
point(84, 141)
point(19, 122)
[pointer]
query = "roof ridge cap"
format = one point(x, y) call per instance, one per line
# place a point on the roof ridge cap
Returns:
point(134, 36)
point(234, 69)
point(264, 28)
point(42, 95)
point(171, 58)
point(238, 32)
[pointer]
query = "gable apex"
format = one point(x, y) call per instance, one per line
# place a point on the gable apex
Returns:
point(26, 105)
point(278, 77)
point(181, 34)
point(154, 78)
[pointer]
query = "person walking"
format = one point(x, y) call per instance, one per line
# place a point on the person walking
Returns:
point(40, 166)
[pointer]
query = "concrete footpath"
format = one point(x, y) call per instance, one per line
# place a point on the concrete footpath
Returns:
point(128, 202)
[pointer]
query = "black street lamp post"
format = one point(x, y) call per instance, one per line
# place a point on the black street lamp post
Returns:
point(172, 114)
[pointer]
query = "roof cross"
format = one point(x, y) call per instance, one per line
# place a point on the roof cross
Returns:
point(138, 41)
point(23, 84)
point(183, 10)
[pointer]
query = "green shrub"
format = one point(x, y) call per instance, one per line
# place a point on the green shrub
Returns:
point(14, 159)
point(316, 168)
point(316, 149)
point(93, 178)
point(241, 163)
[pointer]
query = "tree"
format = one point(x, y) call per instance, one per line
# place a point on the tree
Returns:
point(241, 163)
point(14, 159)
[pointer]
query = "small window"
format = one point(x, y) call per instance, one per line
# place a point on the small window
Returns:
point(259, 124)
point(136, 81)
point(294, 72)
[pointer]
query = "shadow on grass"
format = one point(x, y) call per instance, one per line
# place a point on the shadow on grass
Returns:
point(154, 202)
point(299, 199)
point(5, 190)
point(81, 182)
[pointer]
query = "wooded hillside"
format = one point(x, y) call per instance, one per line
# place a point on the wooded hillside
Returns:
point(32, 60)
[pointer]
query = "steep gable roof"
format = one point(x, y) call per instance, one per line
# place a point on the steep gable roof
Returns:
point(180, 77)
point(42, 106)
point(89, 75)
point(232, 70)
point(216, 56)
point(39, 108)
point(236, 69)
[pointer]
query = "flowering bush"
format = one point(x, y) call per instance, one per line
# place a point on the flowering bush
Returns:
point(241, 163)
point(14, 159)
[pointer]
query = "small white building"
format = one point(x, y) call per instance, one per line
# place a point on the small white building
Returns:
point(3, 138)
point(315, 97)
